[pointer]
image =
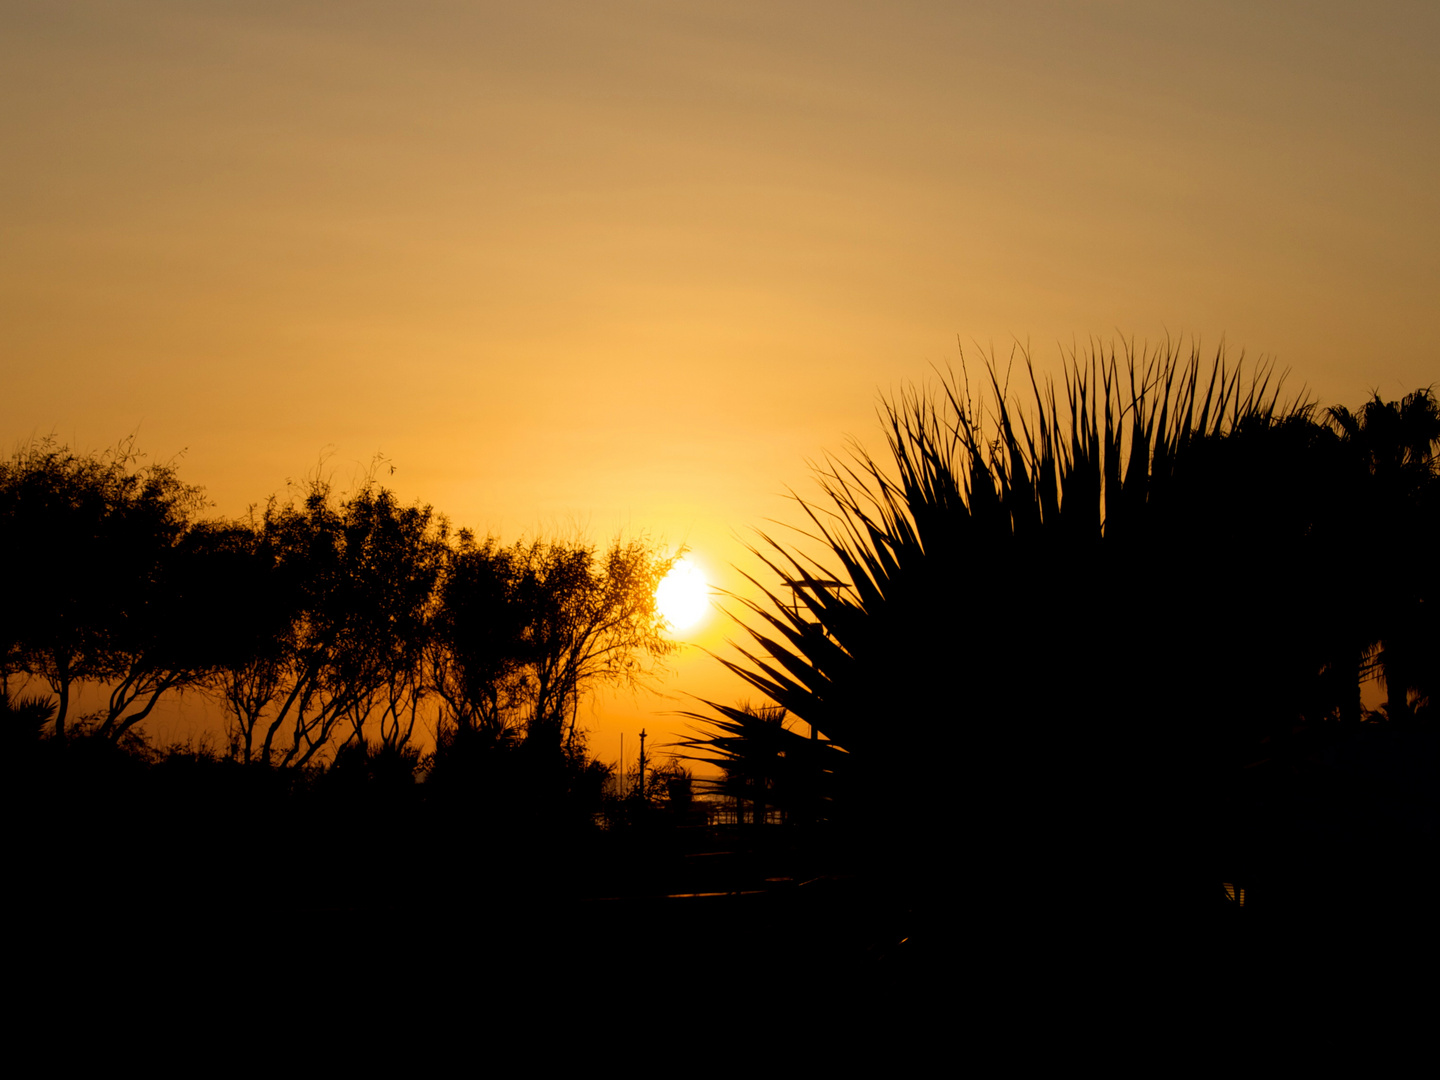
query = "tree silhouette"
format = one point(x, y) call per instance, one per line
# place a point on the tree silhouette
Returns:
point(340, 592)
point(524, 632)
point(766, 764)
point(21, 722)
point(255, 601)
point(589, 620)
point(1394, 448)
point(521, 634)
point(1068, 617)
point(96, 538)
point(474, 661)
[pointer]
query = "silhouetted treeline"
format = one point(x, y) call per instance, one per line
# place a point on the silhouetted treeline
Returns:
point(316, 623)
point(335, 634)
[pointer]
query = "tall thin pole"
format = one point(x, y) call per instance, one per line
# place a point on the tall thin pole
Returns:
point(642, 762)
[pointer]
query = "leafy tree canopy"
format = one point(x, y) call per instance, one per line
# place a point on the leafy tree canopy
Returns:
point(91, 540)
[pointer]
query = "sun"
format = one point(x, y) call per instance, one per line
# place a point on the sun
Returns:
point(683, 597)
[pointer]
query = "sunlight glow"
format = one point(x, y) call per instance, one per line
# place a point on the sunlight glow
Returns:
point(683, 596)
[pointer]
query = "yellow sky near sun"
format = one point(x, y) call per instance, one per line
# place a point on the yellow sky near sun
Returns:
point(629, 264)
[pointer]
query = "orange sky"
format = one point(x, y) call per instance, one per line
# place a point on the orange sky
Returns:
point(629, 264)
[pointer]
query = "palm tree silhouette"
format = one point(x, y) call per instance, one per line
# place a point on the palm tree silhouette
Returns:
point(1393, 451)
point(1035, 639)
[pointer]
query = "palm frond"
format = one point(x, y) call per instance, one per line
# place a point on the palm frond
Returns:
point(980, 530)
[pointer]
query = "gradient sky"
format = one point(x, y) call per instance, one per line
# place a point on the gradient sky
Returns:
point(630, 264)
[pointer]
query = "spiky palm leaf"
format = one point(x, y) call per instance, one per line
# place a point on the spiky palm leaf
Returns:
point(1041, 619)
point(766, 764)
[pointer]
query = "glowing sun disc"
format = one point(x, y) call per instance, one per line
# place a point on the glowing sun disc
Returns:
point(683, 597)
